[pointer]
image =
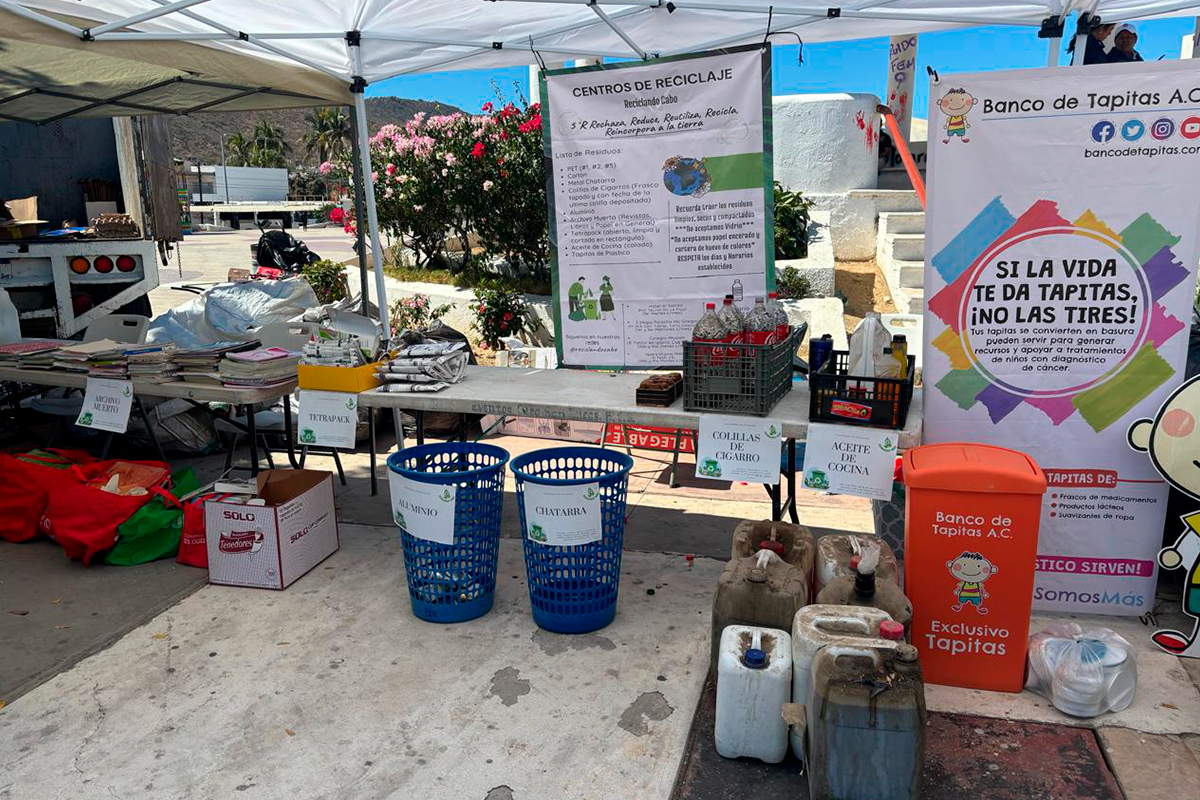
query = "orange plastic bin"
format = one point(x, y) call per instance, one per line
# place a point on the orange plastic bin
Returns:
point(970, 547)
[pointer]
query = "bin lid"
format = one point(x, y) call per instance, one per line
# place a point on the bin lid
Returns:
point(970, 467)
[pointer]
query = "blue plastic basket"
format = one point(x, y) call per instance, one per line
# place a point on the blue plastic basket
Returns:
point(574, 589)
point(454, 583)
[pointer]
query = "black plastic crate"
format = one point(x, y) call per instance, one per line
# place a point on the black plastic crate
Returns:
point(835, 396)
point(737, 378)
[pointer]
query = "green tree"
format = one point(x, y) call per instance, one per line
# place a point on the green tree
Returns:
point(238, 150)
point(269, 148)
point(328, 137)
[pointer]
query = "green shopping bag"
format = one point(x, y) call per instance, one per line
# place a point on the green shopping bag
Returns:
point(154, 529)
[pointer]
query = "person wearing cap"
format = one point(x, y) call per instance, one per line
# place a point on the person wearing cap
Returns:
point(1123, 41)
point(1093, 51)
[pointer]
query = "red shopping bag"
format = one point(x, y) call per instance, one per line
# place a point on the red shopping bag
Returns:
point(193, 544)
point(25, 482)
point(83, 518)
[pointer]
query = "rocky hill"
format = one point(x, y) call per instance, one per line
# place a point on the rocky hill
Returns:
point(199, 134)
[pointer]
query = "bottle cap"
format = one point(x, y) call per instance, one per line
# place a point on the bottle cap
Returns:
point(854, 562)
point(891, 630)
point(907, 653)
point(899, 337)
point(710, 305)
point(772, 295)
point(775, 547)
point(755, 658)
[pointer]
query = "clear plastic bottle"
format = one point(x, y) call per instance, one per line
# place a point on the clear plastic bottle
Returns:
point(735, 324)
point(783, 327)
point(760, 324)
point(708, 331)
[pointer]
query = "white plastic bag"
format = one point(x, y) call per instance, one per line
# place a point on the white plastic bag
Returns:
point(867, 342)
point(1083, 672)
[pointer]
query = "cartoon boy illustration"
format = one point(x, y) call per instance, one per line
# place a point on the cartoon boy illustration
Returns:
point(971, 569)
point(1173, 441)
point(955, 104)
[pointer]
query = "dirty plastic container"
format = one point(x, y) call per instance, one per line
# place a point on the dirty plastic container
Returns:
point(818, 626)
point(755, 672)
point(834, 553)
point(866, 729)
point(761, 590)
point(792, 543)
point(970, 541)
point(573, 587)
point(864, 589)
point(453, 582)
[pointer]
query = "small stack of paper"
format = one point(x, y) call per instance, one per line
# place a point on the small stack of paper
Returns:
point(27, 352)
point(265, 366)
point(200, 364)
point(102, 358)
point(152, 364)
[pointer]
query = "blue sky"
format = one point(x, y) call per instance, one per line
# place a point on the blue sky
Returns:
point(859, 66)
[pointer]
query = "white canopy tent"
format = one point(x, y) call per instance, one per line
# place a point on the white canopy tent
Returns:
point(334, 47)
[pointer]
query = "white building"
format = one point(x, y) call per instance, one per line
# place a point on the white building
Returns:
point(244, 184)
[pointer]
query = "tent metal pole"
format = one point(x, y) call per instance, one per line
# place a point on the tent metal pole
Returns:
point(805, 19)
point(197, 36)
point(368, 184)
point(134, 19)
point(1081, 39)
point(482, 46)
point(524, 43)
point(250, 40)
point(360, 232)
point(22, 11)
point(617, 30)
point(1056, 42)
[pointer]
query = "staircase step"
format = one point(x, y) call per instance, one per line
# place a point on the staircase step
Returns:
point(910, 274)
point(902, 222)
point(905, 246)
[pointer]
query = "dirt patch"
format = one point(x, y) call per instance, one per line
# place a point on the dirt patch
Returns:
point(509, 686)
point(864, 289)
point(649, 707)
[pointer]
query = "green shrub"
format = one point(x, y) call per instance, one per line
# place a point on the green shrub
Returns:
point(791, 285)
point(415, 313)
point(328, 280)
point(791, 223)
point(499, 313)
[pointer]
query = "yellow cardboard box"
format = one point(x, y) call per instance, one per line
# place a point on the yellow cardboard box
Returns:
point(338, 379)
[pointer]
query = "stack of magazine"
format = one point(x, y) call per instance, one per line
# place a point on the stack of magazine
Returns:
point(201, 364)
point(259, 368)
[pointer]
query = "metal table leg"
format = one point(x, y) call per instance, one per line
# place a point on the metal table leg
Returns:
point(253, 434)
point(791, 482)
point(420, 417)
point(371, 439)
point(287, 431)
point(141, 409)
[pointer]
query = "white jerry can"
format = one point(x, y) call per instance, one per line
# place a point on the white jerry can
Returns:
point(835, 558)
point(754, 681)
point(818, 626)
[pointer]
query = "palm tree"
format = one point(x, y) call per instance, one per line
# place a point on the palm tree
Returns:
point(239, 150)
point(269, 147)
point(329, 133)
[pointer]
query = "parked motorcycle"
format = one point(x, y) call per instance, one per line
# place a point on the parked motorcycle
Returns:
point(278, 254)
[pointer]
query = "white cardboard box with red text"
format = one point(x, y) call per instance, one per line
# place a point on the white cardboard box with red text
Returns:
point(270, 546)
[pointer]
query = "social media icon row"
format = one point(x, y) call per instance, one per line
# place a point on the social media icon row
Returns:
point(1133, 129)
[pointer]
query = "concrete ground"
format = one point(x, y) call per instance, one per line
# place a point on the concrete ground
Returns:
point(206, 257)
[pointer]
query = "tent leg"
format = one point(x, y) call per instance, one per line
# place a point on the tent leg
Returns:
point(361, 232)
point(364, 148)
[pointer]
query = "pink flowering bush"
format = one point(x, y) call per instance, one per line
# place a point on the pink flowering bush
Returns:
point(415, 313)
point(440, 179)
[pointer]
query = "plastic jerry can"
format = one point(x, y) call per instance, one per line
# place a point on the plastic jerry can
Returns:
point(835, 552)
point(755, 674)
point(762, 590)
point(866, 726)
point(818, 626)
point(970, 549)
point(863, 589)
point(792, 543)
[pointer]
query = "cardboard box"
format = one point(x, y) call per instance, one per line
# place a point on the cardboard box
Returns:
point(18, 219)
point(272, 545)
point(338, 379)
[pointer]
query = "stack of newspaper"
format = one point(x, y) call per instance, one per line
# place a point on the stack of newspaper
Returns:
point(262, 367)
point(426, 367)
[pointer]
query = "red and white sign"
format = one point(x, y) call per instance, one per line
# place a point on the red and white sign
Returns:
point(270, 546)
point(650, 437)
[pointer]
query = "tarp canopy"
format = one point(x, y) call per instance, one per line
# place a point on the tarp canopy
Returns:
point(48, 74)
point(396, 37)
